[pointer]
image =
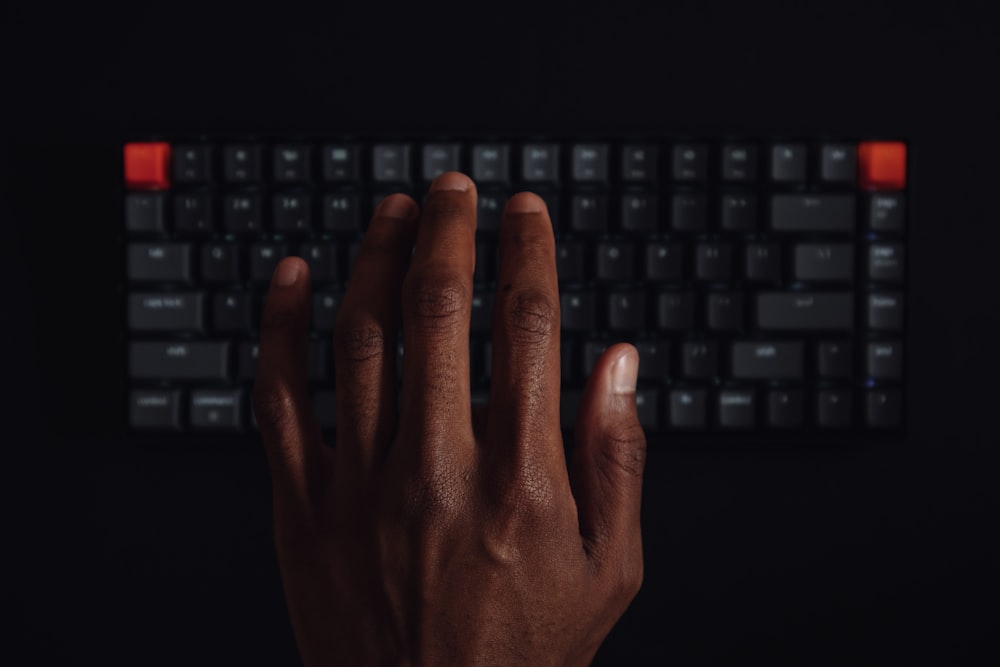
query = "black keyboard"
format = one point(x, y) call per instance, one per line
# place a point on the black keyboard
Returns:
point(761, 279)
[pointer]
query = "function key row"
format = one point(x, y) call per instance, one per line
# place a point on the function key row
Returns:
point(873, 165)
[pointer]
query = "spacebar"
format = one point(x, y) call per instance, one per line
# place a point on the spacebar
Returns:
point(801, 311)
point(173, 360)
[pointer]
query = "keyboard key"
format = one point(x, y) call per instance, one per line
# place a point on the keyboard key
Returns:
point(292, 212)
point(654, 359)
point(232, 312)
point(242, 213)
point(885, 213)
point(768, 360)
point(249, 352)
point(341, 163)
point(570, 261)
point(725, 311)
point(540, 163)
point(664, 261)
point(324, 311)
point(342, 212)
point(713, 261)
point(885, 262)
point(737, 408)
point(884, 408)
point(784, 408)
point(292, 163)
point(322, 260)
point(838, 162)
point(835, 359)
point(264, 258)
point(640, 212)
point(690, 162)
point(192, 163)
point(689, 213)
point(491, 163)
point(824, 261)
point(885, 360)
point(700, 360)
point(788, 163)
point(639, 163)
point(179, 360)
point(220, 263)
point(626, 311)
point(155, 409)
point(805, 311)
point(739, 162)
point(647, 405)
point(166, 311)
point(217, 409)
point(161, 262)
point(688, 408)
point(833, 408)
point(885, 311)
point(145, 212)
point(242, 163)
point(147, 165)
point(579, 311)
point(615, 261)
point(739, 212)
point(763, 262)
point(812, 213)
point(193, 213)
point(589, 213)
point(489, 211)
point(439, 158)
point(675, 311)
point(882, 165)
point(590, 163)
point(391, 163)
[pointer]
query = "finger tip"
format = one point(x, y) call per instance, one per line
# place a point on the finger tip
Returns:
point(452, 180)
point(625, 369)
point(525, 202)
point(398, 206)
point(289, 271)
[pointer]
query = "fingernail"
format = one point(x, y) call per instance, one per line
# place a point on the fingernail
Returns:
point(625, 372)
point(451, 180)
point(396, 206)
point(525, 202)
point(286, 274)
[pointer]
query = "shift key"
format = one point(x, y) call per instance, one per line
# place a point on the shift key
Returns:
point(179, 360)
point(804, 311)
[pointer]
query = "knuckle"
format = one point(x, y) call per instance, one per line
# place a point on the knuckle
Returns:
point(358, 338)
point(628, 577)
point(438, 304)
point(530, 317)
point(432, 500)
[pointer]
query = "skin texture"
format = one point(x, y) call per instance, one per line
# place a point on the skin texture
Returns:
point(435, 534)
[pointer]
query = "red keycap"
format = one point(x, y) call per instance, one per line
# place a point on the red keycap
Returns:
point(147, 165)
point(882, 165)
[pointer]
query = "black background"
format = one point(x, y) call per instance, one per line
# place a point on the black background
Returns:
point(808, 553)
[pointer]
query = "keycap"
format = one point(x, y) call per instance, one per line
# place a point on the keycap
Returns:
point(664, 261)
point(155, 409)
point(838, 163)
point(884, 408)
point(737, 408)
point(788, 163)
point(177, 360)
point(768, 360)
point(675, 311)
point(246, 365)
point(654, 359)
point(242, 163)
point(194, 213)
point(885, 262)
point(489, 210)
point(391, 163)
point(241, 213)
point(885, 311)
point(812, 213)
point(834, 408)
point(738, 212)
point(486, 263)
point(885, 360)
point(578, 311)
point(589, 213)
point(590, 163)
point(161, 262)
point(724, 311)
point(540, 163)
point(713, 261)
point(292, 212)
point(886, 212)
point(882, 165)
point(570, 260)
point(688, 408)
point(145, 212)
point(147, 165)
point(324, 311)
point(700, 360)
point(232, 312)
point(166, 311)
point(615, 260)
point(835, 359)
point(292, 163)
point(803, 311)
point(689, 213)
point(217, 409)
point(342, 212)
point(192, 163)
point(739, 162)
point(824, 261)
point(784, 408)
point(690, 162)
point(639, 212)
point(647, 405)
point(763, 262)
point(639, 163)
point(491, 163)
point(264, 259)
point(436, 159)
point(626, 311)
point(341, 162)
point(220, 262)
point(324, 266)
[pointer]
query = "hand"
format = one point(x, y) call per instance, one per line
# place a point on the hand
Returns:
point(444, 535)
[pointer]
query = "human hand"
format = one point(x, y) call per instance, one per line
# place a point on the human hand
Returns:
point(443, 534)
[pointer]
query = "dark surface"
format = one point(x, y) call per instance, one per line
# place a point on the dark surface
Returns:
point(808, 553)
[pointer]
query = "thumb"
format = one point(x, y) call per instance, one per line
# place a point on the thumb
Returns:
point(608, 460)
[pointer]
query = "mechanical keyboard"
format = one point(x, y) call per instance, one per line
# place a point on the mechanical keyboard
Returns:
point(762, 279)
